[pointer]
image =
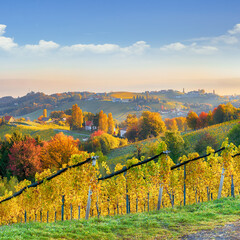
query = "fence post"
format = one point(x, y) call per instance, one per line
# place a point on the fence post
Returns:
point(71, 211)
point(25, 216)
point(232, 188)
point(184, 187)
point(221, 184)
point(47, 215)
point(136, 204)
point(63, 200)
point(55, 216)
point(148, 202)
point(160, 197)
point(40, 215)
point(88, 204)
point(79, 212)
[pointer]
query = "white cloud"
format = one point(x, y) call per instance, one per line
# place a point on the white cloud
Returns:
point(2, 29)
point(6, 43)
point(225, 39)
point(137, 48)
point(173, 46)
point(98, 48)
point(43, 46)
point(203, 49)
point(194, 47)
point(235, 30)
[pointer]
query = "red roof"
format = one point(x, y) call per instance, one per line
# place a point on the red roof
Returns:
point(89, 123)
point(7, 118)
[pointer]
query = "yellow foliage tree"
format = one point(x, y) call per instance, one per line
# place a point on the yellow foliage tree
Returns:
point(44, 113)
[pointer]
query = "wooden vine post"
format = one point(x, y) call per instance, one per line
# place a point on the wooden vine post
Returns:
point(221, 184)
point(94, 160)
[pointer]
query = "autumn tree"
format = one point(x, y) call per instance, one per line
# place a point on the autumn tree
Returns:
point(192, 119)
point(103, 121)
point(57, 114)
point(45, 113)
point(77, 118)
point(58, 151)
point(171, 124)
point(202, 120)
point(24, 158)
point(225, 113)
point(132, 127)
point(182, 123)
point(111, 125)
point(150, 124)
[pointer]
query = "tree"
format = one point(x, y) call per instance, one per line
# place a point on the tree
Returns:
point(58, 151)
point(202, 120)
point(192, 119)
point(24, 158)
point(171, 124)
point(110, 124)
point(150, 124)
point(103, 121)
point(182, 123)
point(175, 144)
point(218, 114)
point(44, 113)
point(132, 127)
point(57, 114)
point(77, 118)
point(205, 141)
point(234, 135)
point(5, 150)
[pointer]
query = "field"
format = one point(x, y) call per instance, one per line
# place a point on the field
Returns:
point(45, 131)
point(167, 223)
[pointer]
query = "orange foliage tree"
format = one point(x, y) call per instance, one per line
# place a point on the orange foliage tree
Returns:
point(58, 151)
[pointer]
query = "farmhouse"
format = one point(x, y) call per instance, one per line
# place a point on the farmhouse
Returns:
point(88, 125)
point(123, 132)
point(9, 119)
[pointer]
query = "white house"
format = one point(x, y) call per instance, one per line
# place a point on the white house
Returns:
point(88, 125)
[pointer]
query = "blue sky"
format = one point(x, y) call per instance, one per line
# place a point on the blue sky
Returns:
point(108, 45)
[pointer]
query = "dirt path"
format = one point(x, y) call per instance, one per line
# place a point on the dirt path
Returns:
point(230, 231)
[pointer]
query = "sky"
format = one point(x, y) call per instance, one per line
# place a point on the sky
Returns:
point(109, 45)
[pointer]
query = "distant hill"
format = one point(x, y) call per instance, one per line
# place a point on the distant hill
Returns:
point(172, 103)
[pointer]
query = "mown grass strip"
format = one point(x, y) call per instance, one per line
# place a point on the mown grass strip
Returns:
point(164, 224)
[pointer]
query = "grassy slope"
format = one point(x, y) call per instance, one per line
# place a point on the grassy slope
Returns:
point(46, 132)
point(165, 224)
point(220, 131)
